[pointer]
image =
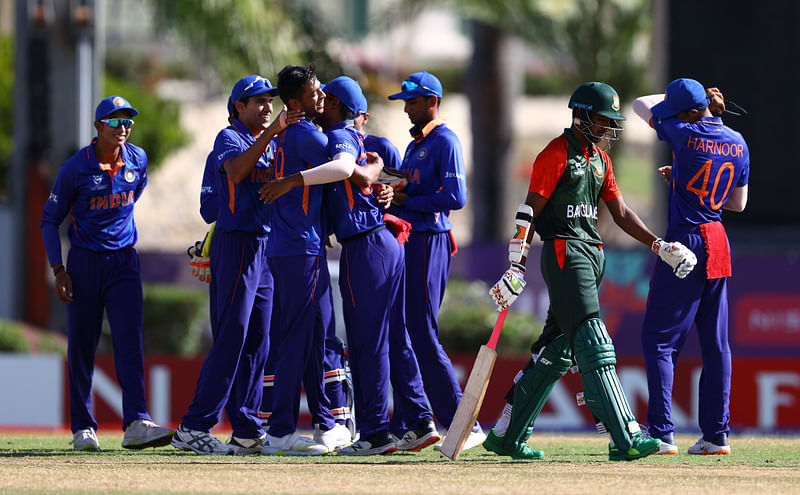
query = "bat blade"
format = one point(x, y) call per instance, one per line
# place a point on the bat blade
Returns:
point(470, 404)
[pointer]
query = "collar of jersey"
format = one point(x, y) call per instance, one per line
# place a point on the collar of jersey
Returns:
point(430, 126)
point(92, 158)
point(341, 125)
point(573, 141)
point(710, 120)
point(241, 128)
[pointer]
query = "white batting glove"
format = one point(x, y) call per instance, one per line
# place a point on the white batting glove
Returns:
point(201, 265)
point(509, 287)
point(679, 257)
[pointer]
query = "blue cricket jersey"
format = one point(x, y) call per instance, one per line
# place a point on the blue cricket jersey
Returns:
point(98, 199)
point(209, 201)
point(297, 224)
point(709, 161)
point(385, 149)
point(240, 209)
point(350, 210)
point(434, 166)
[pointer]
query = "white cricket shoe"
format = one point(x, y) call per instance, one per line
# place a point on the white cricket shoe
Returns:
point(475, 438)
point(143, 433)
point(246, 446)
point(85, 440)
point(292, 444)
point(667, 449)
point(199, 442)
point(336, 437)
point(702, 447)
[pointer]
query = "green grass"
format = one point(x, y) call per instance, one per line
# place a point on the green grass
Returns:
point(574, 463)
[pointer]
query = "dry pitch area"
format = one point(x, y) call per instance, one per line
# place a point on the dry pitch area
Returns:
point(574, 464)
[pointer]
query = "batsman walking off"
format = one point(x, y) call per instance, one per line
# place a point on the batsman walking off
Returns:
point(569, 178)
point(709, 172)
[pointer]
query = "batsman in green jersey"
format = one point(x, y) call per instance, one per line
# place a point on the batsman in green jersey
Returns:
point(569, 178)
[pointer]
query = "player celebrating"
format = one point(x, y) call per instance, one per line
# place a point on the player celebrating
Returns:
point(708, 158)
point(569, 178)
point(97, 187)
point(243, 282)
point(434, 166)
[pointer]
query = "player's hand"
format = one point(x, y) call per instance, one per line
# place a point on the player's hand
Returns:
point(201, 265)
point(63, 287)
point(666, 172)
point(393, 177)
point(287, 118)
point(383, 194)
point(509, 287)
point(679, 257)
point(717, 104)
point(276, 188)
point(399, 198)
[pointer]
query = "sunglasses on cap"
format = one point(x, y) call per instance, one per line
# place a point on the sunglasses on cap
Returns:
point(410, 86)
point(115, 123)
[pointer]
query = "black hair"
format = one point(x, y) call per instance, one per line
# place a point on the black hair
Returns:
point(292, 80)
point(236, 112)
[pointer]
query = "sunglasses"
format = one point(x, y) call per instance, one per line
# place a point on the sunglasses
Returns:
point(115, 123)
point(410, 86)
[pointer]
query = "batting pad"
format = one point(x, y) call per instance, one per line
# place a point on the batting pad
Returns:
point(533, 388)
point(602, 391)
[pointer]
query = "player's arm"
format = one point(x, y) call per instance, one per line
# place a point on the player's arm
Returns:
point(452, 195)
point(368, 174)
point(55, 210)
point(737, 200)
point(340, 168)
point(239, 167)
point(642, 107)
point(510, 285)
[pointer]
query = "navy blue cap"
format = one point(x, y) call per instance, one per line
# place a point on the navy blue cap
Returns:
point(111, 104)
point(418, 84)
point(681, 94)
point(362, 105)
point(250, 86)
point(347, 91)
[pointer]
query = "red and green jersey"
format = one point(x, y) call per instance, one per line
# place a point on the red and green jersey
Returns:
point(573, 179)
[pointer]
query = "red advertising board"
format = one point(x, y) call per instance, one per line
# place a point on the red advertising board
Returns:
point(767, 320)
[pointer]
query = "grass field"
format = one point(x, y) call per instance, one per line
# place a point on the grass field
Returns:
point(574, 464)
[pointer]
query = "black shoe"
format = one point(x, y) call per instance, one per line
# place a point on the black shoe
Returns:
point(420, 437)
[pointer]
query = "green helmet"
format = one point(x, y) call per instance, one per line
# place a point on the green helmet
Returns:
point(597, 98)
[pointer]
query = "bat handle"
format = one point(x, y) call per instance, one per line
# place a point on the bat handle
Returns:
point(498, 327)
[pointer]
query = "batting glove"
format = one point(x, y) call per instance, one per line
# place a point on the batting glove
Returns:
point(509, 287)
point(201, 265)
point(679, 257)
point(393, 178)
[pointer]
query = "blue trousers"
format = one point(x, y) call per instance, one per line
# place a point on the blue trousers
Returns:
point(371, 276)
point(672, 306)
point(107, 281)
point(298, 340)
point(232, 372)
point(427, 270)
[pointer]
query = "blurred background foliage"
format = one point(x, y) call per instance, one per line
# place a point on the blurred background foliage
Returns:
point(6, 109)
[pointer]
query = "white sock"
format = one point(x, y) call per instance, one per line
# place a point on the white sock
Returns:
point(502, 422)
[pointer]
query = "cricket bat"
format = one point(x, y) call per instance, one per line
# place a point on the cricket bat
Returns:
point(472, 398)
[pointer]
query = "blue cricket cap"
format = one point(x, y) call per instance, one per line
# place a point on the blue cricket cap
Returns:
point(250, 86)
point(347, 91)
point(362, 105)
point(111, 104)
point(681, 94)
point(418, 84)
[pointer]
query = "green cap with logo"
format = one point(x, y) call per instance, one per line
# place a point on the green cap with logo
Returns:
point(598, 98)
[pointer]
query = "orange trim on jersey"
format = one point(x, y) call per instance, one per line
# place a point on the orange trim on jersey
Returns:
point(427, 129)
point(548, 167)
point(231, 195)
point(316, 279)
point(453, 245)
point(305, 200)
point(112, 171)
point(610, 189)
point(707, 122)
point(348, 191)
point(561, 251)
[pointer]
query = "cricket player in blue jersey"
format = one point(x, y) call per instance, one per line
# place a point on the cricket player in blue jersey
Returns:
point(434, 166)
point(232, 372)
point(97, 187)
point(371, 279)
point(709, 172)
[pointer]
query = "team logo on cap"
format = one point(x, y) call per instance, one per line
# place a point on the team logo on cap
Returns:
point(615, 103)
point(130, 175)
point(118, 101)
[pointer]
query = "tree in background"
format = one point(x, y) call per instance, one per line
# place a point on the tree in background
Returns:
point(6, 110)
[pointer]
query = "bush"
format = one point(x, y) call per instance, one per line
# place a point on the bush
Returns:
point(468, 316)
point(22, 338)
point(174, 319)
